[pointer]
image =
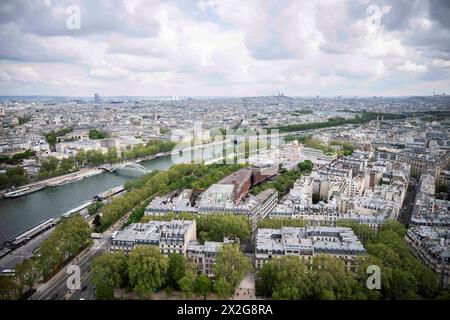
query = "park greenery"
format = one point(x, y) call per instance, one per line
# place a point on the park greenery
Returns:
point(402, 275)
point(343, 148)
point(319, 145)
point(66, 241)
point(338, 121)
point(285, 181)
point(146, 271)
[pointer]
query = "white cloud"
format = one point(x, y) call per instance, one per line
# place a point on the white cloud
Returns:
point(409, 66)
point(221, 47)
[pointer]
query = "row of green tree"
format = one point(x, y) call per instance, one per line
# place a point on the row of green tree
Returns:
point(285, 181)
point(333, 122)
point(52, 167)
point(97, 157)
point(326, 277)
point(152, 147)
point(13, 177)
point(160, 182)
point(68, 239)
point(145, 271)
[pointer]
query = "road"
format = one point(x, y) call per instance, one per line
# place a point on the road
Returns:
point(408, 203)
point(23, 252)
point(56, 288)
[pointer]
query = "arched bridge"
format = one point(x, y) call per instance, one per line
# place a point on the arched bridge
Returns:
point(128, 166)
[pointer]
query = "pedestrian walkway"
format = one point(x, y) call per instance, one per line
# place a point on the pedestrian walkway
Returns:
point(246, 289)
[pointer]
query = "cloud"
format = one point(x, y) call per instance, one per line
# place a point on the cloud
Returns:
point(409, 66)
point(231, 47)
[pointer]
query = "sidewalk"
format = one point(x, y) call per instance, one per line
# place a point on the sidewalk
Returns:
point(246, 289)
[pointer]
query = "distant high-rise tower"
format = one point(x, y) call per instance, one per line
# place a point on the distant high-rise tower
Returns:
point(97, 98)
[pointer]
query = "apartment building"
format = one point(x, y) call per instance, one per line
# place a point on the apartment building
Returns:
point(169, 236)
point(306, 243)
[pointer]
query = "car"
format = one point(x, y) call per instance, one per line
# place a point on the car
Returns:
point(8, 272)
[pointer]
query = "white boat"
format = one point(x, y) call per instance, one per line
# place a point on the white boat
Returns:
point(77, 209)
point(23, 191)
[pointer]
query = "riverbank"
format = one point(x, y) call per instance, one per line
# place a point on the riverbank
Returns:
point(84, 173)
point(52, 182)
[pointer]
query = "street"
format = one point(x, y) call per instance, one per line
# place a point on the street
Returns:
point(24, 252)
point(56, 288)
point(408, 203)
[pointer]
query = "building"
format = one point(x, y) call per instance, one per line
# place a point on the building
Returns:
point(432, 246)
point(173, 201)
point(238, 183)
point(169, 236)
point(203, 256)
point(317, 157)
point(306, 243)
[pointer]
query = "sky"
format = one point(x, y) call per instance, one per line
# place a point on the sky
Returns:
point(224, 48)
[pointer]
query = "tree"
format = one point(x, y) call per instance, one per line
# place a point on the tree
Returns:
point(110, 270)
point(284, 278)
point(231, 265)
point(8, 288)
point(96, 134)
point(26, 274)
point(331, 280)
point(147, 269)
point(305, 166)
point(80, 157)
point(97, 221)
point(69, 236)
point(67, 164)
point(112, 155)
point(176, 270)
point(202, 285)
point(223, 288)
point(187, 284)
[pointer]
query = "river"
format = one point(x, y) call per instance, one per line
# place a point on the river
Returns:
point(18, 214)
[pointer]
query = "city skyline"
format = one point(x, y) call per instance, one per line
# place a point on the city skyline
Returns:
point(218, 48)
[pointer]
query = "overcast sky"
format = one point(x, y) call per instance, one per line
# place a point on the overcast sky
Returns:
point(225, 48)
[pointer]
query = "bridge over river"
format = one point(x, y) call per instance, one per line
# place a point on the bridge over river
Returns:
point(126, 166)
